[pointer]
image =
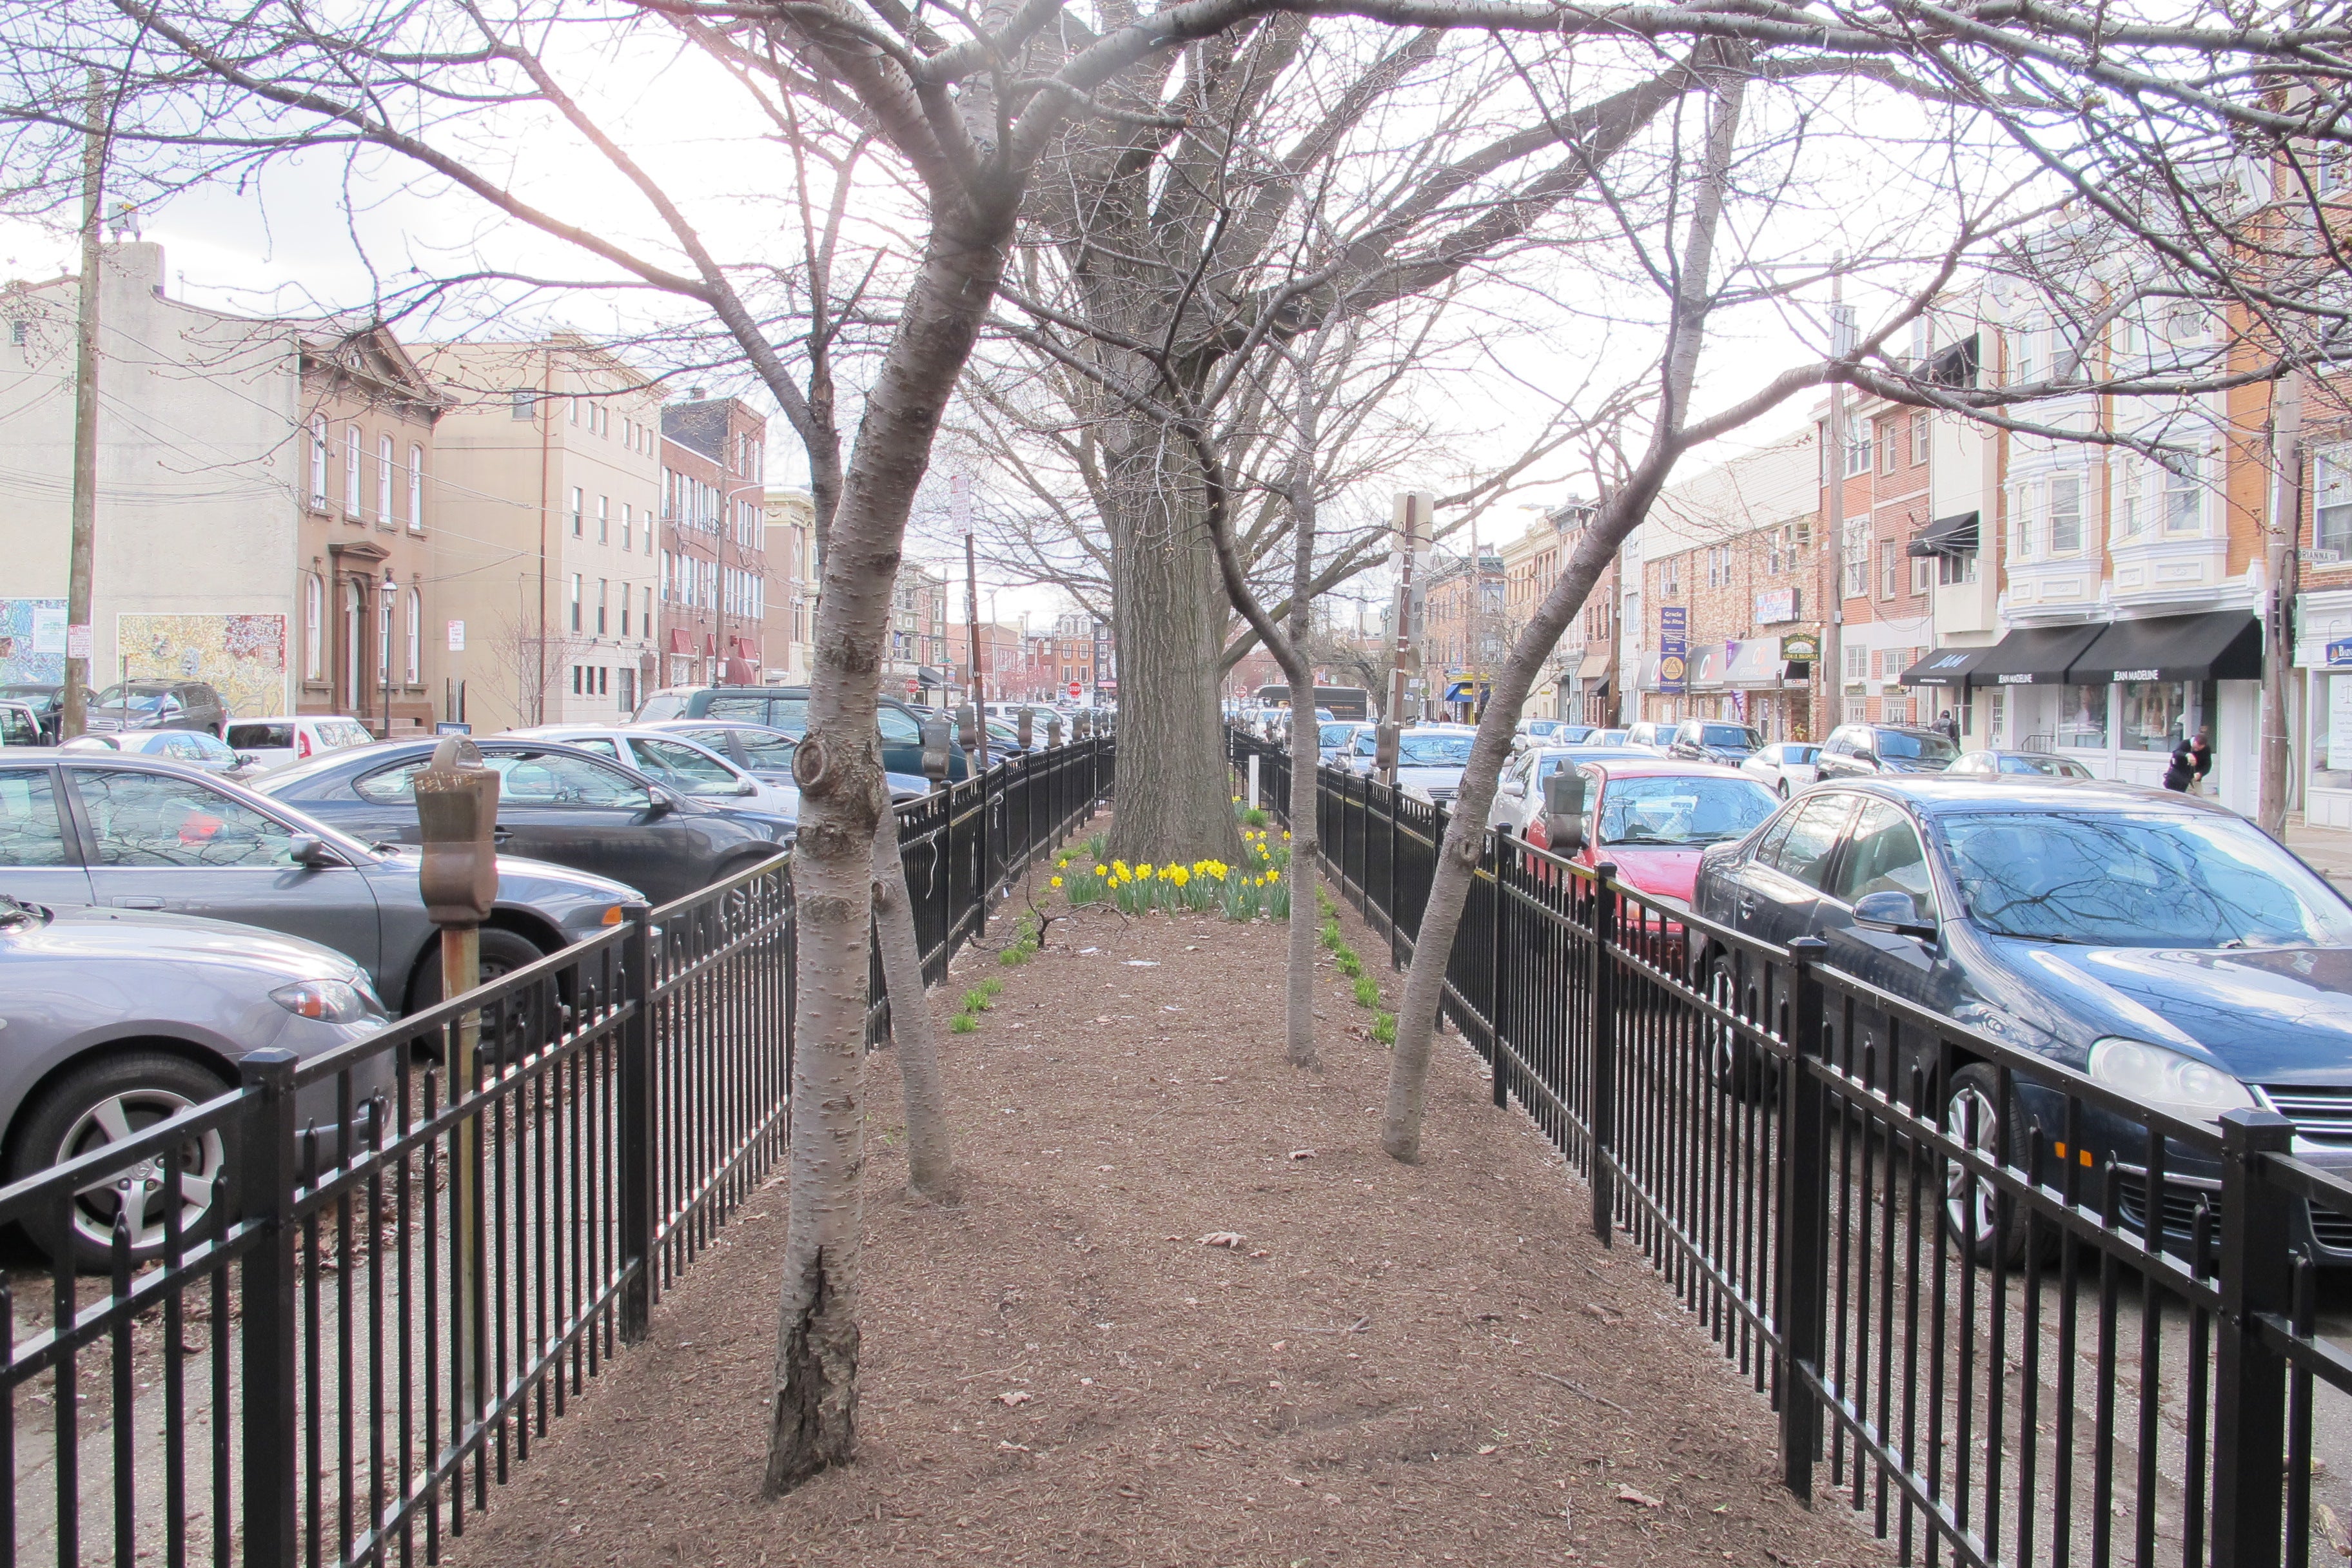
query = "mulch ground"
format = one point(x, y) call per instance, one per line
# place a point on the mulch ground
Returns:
point(1059, 1368)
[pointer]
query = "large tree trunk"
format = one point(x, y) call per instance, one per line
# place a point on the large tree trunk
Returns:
point(1173, 802)
point(914, 1031)
point(813, 1417)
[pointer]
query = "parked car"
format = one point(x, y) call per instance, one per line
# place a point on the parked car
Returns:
point(46, 699)
point(193, 747)
point(785, 707)
point(142, 833)
point(116, 1020)
point(20, 725)
point(556, 802)
point(158, 705)
point(1649, 737)
point(2160, 944)
point(1520, 792)
point(1718, 741)
point(1653, 816)
point(1430, 763)
point(1334, 741)
point(1865, 751)
point(684, 765)
point(1786, 766)
point(1548, 731)
point(2032, 765)
point(286, 737)
point(1606, 738)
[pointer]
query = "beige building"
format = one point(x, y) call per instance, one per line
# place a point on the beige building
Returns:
point(792, 587)
point(551, 458)
point(268, 500)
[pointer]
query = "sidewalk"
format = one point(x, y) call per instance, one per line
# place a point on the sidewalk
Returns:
point(1383, 1366)
point(2326, 850)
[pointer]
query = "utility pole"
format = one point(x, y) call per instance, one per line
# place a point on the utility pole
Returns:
point(972, 625)
point(1412, 509)
point(79, 644)
point(1834, 523)
point(2275, 793)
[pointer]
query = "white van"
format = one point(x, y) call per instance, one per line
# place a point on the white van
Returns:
point(293, 737)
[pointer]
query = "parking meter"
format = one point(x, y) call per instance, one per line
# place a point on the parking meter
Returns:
point(1080, 726)
point(1054, 731)
point(457, 809)
point(968, 726)
point(1384, 746)
point(1028, 729)
point(935, 750)
point(1564, 810)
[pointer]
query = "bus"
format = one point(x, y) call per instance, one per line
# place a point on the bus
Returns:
point(1350, 702)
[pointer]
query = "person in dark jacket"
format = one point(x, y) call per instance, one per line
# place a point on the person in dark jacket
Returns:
point(1949, 726)
point(2191, 760)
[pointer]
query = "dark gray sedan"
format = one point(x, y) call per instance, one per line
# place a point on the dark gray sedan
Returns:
point(112, 1020)
point(140, 833)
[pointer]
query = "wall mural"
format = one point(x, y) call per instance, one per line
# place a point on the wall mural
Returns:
point(32, 640)
point(242, 657)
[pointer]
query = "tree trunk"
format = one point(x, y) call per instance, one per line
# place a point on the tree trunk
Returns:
point(813, 1417)
point(914, 1032)
point(1173, 800)
point(1306, 919)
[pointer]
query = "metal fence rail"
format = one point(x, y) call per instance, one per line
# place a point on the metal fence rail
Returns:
point(395, 1282)
point(1934, 1253)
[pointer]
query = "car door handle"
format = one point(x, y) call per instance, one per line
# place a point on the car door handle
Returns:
point(138, 901)
point(500, 835)
point(1747, 905)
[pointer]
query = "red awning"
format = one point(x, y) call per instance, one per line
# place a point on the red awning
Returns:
point(742, 672)
point(680, 640)
point(710, 645)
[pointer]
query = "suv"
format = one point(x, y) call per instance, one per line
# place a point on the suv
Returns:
point(20, 726)
point(1864, 750)
point(159, 705)
point(1714, 740)
point(46, 699)
point(785, 707)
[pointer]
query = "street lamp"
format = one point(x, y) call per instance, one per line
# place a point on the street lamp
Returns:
point(384, 645)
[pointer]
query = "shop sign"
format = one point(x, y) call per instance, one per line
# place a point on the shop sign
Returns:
point(1776, 604)
point(2340, 651)
point(1800, 647)
point(2013, 680)
point(1674, 652)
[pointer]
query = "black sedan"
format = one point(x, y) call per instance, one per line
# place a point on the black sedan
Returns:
point(2167, 948)
point(556, 803)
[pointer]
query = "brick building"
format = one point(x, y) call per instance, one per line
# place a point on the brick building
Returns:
point(714, 545)
point(791, 594)
point(915, 664)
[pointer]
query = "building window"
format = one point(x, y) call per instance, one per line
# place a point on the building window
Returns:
point(578, 505)
point(318, 463)
point(1857, 662)
point(2184, 493)
point(1997, 719)
point(2331, 499)
point(383, 636)
point(1955, 568)
point(351, 471)
point(1922, 568)
point(1887, 428)
point(604, 592)
point(2020, 523)
point(624, 525)
point(2155, 715)
point(314, 615)
point(2083, 717)
point(2024, 359)
point(628, 690)
point(521, 403)
point(1888, 554)
point(575, 601)
point(1670, 578)
point(1857, 710)
point(1918, 439)
point(1857, 448)
point(416, 489)
point(383, 472)
point(416, 634)
point(603, 519)
point(2129, 505)
point(573, 404)
point(1857, 558)
point(2065, 515)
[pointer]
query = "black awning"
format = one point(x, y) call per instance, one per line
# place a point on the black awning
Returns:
point(1950, 667)
point(1953, 535)
point(2034, 656)
point(2221, 645)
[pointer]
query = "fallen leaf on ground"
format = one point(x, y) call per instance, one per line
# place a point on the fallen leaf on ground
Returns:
point(1016, 1397)
point(1261, 1252)
point(1627, 1494)
point(1302, 1153)
point(1232, 1238)
point(1485, 1450)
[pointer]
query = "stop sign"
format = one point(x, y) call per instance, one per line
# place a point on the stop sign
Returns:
point(1074, 689)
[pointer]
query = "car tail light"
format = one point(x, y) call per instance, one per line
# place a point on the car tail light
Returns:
point(302, 743)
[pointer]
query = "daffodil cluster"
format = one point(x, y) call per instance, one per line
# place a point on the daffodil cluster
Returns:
point(1239, 892)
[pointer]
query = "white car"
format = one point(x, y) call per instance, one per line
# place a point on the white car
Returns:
point(686, 766)
point(1520, 792)
point(1430, 762)
point(284, 737)
point(1785, 766)
point(1646, 736)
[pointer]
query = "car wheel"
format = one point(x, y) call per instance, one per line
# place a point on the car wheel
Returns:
point(105, 1102)
point(528, 1019)
point(1973, 1117)
point(1784, 789)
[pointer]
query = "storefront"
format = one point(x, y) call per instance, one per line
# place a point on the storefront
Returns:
point(1592, 683)
point(1763, 691)
point(2323, 662)
point(1943, 676)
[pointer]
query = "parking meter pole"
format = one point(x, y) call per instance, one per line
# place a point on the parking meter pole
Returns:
point(457, 809)
point(1253, 781)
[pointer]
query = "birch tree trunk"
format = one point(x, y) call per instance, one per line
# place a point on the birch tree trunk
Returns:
point(813, 1416)
point(1465, 830)
point(914, 1030)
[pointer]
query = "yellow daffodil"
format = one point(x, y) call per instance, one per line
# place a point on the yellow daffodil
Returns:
point(1057, 881)
point(1274, 876)
point(1286, 835)
point(1144, 870)
point(1179, 876)
point(1237, 800)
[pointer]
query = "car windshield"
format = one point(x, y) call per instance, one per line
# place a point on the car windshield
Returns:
point(2126, 879)
point(337, 733)
point(2048, 768)
point(1913, 747)
point(1606, 738)
point(1682, 810)
point(1572, 734)
point(137, 700)
point(36, 697)
point(1335, 734)
point(1729, 737)
point(1433, 750)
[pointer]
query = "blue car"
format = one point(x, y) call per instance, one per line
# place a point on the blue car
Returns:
point(2164, 946)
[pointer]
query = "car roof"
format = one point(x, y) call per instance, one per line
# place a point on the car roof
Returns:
point(1641, 765)
point(1932, 794)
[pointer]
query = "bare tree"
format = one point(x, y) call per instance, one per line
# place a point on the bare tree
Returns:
point(532, 660)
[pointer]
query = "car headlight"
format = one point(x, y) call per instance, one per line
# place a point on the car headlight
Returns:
point(2166, 1080)
point(329, 1001)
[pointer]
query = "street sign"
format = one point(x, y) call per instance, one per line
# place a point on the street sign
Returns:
point(456, 637)
point(1074, 689)
point(2319, 557)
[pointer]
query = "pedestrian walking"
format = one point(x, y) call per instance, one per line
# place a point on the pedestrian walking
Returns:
point(2191, 760)
point(1949, 726)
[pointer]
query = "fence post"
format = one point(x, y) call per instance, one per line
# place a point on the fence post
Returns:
point(2250, 1375)
point(1389, 908)
point(1603, 991)
point(636, 1130)
point(267, 1420)
point(1500, 974)
point(1804, 1223)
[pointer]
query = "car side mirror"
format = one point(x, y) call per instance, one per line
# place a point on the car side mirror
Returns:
point(310, 849)
point(747, 786)
point(659, 802)
point(1894, 911)
point(1516, 789)
point(1564, 811)
point(1862, 755)
point(246, 759)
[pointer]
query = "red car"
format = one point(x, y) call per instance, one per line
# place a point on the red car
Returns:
point(1651, 816)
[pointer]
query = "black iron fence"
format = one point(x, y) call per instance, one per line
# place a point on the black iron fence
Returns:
point(2008, 1314)
point(372, 1288)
